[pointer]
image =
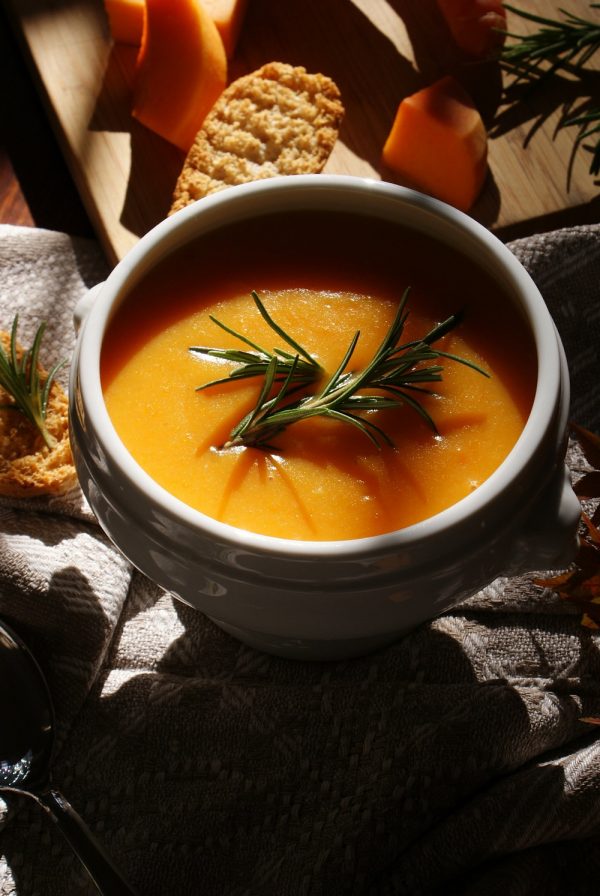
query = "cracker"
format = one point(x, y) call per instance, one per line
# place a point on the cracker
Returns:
point(28, 468)
point(278, 120)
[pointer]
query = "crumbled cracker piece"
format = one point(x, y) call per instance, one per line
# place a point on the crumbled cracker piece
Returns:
point(28, 468)
point(278, 120)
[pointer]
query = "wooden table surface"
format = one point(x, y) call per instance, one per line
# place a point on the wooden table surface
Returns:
point(36, 188)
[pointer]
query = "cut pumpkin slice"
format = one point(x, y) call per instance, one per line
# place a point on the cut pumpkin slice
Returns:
point(181, 70)
point(126, 20)
point(228, 16)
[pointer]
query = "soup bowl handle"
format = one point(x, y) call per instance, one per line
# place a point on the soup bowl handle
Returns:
point(548, 537)
point(84, 305)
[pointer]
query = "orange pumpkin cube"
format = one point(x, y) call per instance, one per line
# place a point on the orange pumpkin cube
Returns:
point(476, 26)
point(438, 144)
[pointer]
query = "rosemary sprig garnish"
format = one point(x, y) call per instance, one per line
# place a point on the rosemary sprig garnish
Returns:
point(568, 44)
point(571, 41)
point(397, 371)
point(20, 377)
point(301, 364)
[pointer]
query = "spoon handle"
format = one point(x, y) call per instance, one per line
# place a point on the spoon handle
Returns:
point(100, 868)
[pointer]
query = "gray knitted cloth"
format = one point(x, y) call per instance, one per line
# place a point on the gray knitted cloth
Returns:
point(454, 761)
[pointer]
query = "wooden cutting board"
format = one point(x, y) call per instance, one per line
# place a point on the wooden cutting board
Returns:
point(376, 51)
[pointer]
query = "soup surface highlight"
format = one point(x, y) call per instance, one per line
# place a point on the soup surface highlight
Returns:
point(321, 278)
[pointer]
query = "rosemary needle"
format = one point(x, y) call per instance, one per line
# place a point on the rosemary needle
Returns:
point(397, 372)
point(20, 377)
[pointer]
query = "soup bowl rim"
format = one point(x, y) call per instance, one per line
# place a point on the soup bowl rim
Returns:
point(178, 229)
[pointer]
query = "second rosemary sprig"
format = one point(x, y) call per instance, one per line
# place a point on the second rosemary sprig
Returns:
point(567, 43)
point(393, 378)
point(20, 378)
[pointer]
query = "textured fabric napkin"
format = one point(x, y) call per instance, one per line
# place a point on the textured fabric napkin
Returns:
point(454, 761)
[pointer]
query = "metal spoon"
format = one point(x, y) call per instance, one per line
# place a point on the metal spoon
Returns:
point(26, 744)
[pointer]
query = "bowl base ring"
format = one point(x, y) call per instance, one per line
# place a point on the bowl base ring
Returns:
point(307, 648)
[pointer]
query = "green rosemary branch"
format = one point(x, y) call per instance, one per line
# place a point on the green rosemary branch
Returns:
point(256, 363)
point(20, 377)
point(397, 371)
point(568, 43)
point(571, 41)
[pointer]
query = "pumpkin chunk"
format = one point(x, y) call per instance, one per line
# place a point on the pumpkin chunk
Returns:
point(476, 26)
point(438, 144)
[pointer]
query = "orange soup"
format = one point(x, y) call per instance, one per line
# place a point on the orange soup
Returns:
point(321, 278)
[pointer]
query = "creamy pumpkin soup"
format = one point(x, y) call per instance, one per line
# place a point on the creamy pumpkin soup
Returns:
point(322, 279)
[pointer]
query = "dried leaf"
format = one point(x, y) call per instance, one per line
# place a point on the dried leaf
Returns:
point(588, 622)
point(581, 583)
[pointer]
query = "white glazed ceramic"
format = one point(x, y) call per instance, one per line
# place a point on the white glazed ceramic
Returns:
point(319, 600)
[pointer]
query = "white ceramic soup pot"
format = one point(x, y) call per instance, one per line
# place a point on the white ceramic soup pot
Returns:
point(330, 599)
